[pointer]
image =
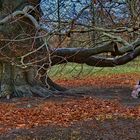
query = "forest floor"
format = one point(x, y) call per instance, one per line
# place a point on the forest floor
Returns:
point(106, 111)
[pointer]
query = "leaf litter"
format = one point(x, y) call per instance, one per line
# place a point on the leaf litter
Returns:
point(23, 114)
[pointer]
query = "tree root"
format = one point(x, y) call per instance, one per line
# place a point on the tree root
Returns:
point(35, 88)
point(39, 91)
point(18, 82)
point(29, 91)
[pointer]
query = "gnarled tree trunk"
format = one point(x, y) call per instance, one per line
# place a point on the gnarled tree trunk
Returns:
point(18, 39)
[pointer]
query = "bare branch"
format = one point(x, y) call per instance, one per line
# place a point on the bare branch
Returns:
point(24, 12)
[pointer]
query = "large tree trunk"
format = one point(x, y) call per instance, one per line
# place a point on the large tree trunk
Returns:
point(16, 80)
point(19, 82)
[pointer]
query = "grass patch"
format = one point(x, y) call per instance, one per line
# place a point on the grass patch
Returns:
point(72, 70)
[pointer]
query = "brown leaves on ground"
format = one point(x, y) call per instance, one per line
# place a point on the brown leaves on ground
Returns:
point(34, 112)
point(107, 81)
point(24, 115)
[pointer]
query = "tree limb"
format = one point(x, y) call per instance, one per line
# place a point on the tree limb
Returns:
point(23, 12)
point(87, 56)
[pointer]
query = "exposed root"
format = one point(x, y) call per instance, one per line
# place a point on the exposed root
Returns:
point(52, 85)
point(69, 92)
point(29, 91)
point(38, 90)
point(41, 91)
point(23, 91)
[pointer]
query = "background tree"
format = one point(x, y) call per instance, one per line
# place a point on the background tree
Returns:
point(26, 52)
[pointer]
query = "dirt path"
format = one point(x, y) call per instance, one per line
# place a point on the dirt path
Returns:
point(119, 93)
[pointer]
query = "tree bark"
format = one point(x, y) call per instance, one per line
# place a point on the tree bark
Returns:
point(15, 80)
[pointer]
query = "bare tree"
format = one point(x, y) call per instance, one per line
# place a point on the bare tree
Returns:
point(26, 55)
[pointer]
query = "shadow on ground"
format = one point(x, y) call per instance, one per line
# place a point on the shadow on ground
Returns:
point(119, 93)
